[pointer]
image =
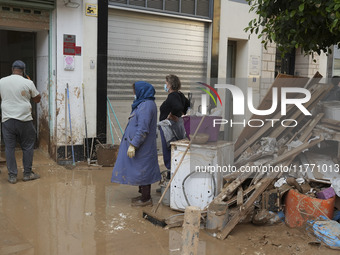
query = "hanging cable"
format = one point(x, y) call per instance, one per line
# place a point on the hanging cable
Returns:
point(183, 186)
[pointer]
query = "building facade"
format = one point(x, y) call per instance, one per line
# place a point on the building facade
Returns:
point(108, 45)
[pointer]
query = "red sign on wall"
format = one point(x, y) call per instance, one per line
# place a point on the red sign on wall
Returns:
point(78, 50)
point(69, 45)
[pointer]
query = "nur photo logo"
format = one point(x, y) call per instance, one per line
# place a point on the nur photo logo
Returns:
point(240, 101)
point(204, 97)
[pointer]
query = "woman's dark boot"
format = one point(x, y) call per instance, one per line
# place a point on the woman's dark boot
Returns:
point(134, 199)
point(145, 200)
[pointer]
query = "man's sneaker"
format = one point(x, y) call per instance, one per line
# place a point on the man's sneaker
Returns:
point(12, 179)
point(30, 177)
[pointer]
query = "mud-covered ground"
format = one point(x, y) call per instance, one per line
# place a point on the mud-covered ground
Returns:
point(79, 211)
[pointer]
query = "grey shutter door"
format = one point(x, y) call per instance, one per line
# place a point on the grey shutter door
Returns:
point(149, 47)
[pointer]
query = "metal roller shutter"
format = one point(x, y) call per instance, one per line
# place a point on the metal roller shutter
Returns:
point(148, 47)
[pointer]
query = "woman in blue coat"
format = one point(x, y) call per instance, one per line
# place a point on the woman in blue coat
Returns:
point(137, 161)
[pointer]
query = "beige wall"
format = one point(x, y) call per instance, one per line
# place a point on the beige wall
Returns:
point(268, 68)
point(304, 65)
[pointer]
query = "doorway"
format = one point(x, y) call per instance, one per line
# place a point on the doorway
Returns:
point(16, 45)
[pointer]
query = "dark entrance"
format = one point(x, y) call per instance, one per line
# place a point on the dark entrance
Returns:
point(18, 45)
point(285, 64)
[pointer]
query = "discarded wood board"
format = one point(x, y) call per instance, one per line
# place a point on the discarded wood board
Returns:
point(317, 92)
point(282, 80)
point(231, 187)
point(263, 185)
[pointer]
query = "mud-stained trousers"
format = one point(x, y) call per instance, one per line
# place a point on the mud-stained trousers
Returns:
point(24, 132)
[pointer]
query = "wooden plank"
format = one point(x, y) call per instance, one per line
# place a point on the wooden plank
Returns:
point(327, 89)
point(331, 127)
point(231, 187)
point(282, 80)
point(317, 92)
point(310, 127)
point(294, 152)
point(316, 79)
point(240, 196)
point(315, 97)
point(246, 192)
point(330, 122)
point(252, 158)
point(262, 186)
point(257, 135)
point(191, 228)
point(299, 131)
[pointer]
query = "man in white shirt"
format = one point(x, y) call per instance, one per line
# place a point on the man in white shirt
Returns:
point(16, 93)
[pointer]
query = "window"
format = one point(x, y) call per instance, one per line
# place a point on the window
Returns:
point(285, 65)
point(193, 8)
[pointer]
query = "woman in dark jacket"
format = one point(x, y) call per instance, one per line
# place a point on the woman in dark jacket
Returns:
point(175, 105)
point(137, 160)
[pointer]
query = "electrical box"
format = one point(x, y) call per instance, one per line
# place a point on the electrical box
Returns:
point(200, 176)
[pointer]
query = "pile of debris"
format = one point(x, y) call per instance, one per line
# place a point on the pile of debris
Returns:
point(279, 155)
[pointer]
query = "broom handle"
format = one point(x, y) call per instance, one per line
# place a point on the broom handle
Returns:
point(66, 157)
point(179, 164)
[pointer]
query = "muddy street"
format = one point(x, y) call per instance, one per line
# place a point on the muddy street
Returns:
point(80, 212)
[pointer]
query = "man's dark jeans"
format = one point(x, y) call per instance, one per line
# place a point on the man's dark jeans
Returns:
point(24, 132)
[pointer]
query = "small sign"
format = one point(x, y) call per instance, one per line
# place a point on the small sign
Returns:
point(68, 63)
point(78, 50)
point(336, 52)
point(91, 10)
point(254, 65)
point(69, 44)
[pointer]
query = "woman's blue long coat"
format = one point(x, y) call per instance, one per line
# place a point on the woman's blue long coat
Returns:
point(143, 169)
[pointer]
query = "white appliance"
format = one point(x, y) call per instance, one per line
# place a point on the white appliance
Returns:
point(196, 183)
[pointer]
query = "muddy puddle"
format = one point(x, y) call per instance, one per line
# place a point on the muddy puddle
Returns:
point(79, 211)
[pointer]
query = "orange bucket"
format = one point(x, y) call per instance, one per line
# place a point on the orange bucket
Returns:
point(301, 208)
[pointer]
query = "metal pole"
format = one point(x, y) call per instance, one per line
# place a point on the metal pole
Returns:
point(108, 114)
point(87, 142)
point(114, 114)
point(69, 116)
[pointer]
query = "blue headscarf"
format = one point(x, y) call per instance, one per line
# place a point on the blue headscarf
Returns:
point(144, 91)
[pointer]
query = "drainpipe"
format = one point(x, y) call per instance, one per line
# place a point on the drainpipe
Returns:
point(215, 38)
point(214, 65)
point(214, 62)
point(50, 97)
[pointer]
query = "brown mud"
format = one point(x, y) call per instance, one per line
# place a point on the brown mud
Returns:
point(79, 211)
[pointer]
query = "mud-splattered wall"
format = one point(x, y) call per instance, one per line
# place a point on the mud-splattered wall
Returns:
point(73, 21)
point(42, 86)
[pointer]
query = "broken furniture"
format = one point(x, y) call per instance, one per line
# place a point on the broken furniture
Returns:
point(269, 147)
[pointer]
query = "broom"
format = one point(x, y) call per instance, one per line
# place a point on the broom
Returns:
point(151, 216)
